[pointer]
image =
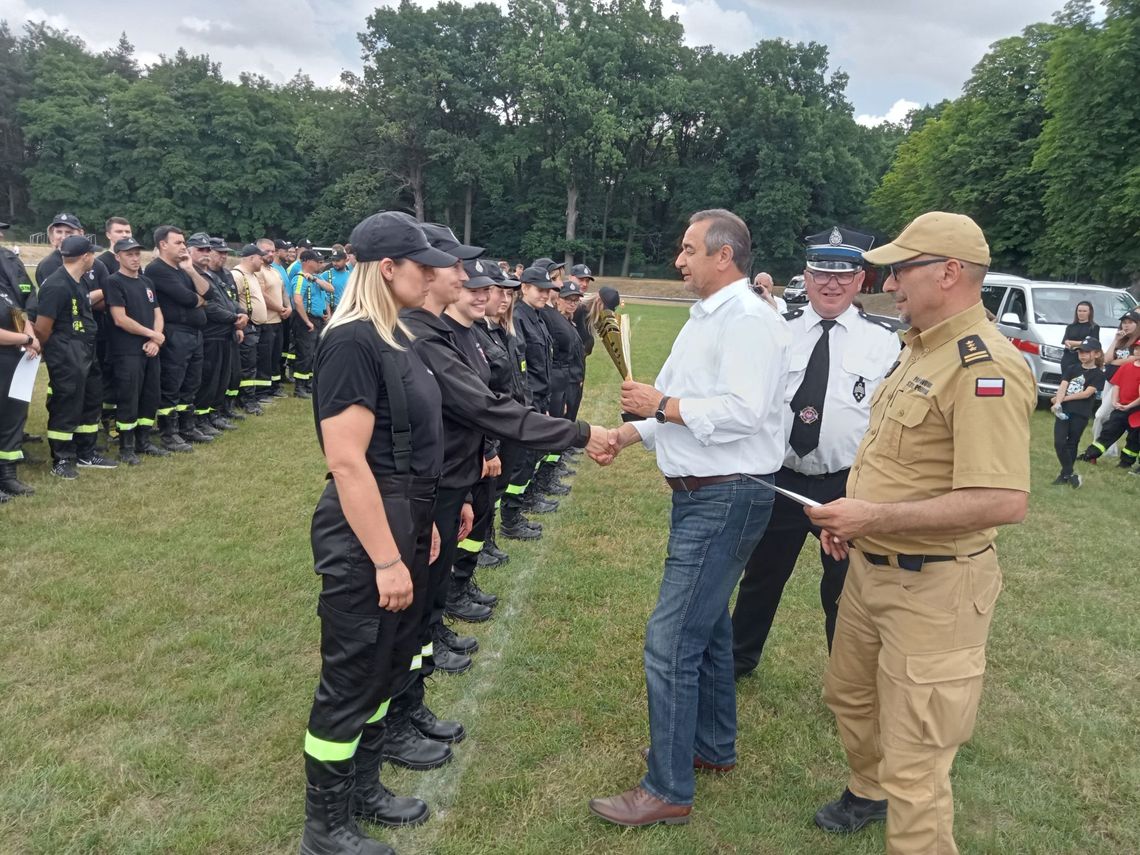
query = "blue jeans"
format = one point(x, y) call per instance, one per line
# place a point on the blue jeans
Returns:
point(688, 643)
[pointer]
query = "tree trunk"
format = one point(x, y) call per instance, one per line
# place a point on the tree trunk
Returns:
point(469, 203)
point(571, 219)
point(605, 228)
point(629, 240)
point(416, 179)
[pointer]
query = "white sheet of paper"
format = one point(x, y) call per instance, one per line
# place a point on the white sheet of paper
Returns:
point(796, 497)
point(24, 379)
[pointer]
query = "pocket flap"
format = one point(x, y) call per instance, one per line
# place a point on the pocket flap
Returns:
point(947, 666)
point(909, 412)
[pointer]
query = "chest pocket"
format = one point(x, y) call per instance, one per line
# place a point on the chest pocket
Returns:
point(903, 427)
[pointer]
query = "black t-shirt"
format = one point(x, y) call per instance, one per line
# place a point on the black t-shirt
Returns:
point(1076, 332)
point(138, 298)
point(110, 261)
point(1079, 380)
point(95, 280)
point(176, 294)
point(69, 304)
point(348, 370)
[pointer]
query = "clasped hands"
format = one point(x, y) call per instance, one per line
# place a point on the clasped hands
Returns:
point(640, 399)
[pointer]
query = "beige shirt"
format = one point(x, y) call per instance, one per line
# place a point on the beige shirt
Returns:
point(250, 298)
point(952, 413)
point(271, 282)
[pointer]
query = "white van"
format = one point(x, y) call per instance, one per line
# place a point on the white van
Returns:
point(1033, 315)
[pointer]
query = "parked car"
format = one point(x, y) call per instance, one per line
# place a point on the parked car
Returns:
point(794, 291)
point(1033, 315)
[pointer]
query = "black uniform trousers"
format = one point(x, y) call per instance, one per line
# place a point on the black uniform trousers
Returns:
point(76, 400)
point(13, 413)
point(233, 382)
point(468, 549)
point(247, 358)
point(268, 356)
point(181, 368)
point(366, 651)
point(559, 386)
point(138, 389)
point(305, 345)
point(1067, 439)
point(216, 365)
point(574, 399)
point(106, 366)
point(772, 562)
point(511, 484)
point(1114, 427)
point(446, 518)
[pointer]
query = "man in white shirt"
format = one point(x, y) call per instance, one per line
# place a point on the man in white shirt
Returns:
point(762, 285)
point(838, 358)
point(713, 418)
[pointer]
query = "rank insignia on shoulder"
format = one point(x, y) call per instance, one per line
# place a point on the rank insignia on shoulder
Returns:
point(989, 387)
point(972, 351)
point(793, 314)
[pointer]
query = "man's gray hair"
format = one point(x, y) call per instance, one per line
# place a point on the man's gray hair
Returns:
point(726, 229)
point(261, 244)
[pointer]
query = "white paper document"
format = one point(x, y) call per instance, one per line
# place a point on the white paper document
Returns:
point(796, 497)
point(24, 379)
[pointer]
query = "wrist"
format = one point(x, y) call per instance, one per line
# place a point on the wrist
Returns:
point(387, 565)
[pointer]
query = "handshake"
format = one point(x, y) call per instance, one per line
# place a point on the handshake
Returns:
point(640, 399)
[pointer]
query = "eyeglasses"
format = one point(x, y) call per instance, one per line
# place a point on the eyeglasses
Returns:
point(895, 269)
point(821, 277)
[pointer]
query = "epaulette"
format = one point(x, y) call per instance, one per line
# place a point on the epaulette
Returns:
point(879, 322)
point(973, 350)
point(793, 314)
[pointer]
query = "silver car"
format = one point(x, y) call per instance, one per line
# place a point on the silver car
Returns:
point(1033, 315)
point(794, 291)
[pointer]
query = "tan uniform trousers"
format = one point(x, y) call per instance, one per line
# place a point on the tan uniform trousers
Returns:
point(904, 680)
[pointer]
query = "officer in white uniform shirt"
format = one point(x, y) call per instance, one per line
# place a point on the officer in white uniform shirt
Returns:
point(838, 357)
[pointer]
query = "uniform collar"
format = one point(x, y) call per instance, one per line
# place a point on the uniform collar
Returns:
point(427, 319)
point(707, 306)
point(845, 319)
point(954, 327)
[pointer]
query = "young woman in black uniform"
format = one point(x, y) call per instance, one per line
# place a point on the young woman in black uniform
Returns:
point(379, 424)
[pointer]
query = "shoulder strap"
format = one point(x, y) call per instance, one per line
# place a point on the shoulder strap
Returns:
point(401, 419)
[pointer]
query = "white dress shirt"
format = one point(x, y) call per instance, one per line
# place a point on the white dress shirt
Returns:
point(727, 368)
point(861, 351)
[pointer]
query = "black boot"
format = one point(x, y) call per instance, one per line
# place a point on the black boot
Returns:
point(479, 595)
point(426, 722)
point(329, 826)
point(461, 606)
point(459, 643)
point(514, 525)
point(12, 485)
point(548, 483)
point(447, 660)
point(188, 431)
point(220, 422)
point(849, 813)
point(127, 448)
point(491, 555)
point(230, 411)
point(301, 389)
point(371, 800)
point(171, 439)
point(404, 745)
point(534, 502)
point(205, 426)
point(143, 444)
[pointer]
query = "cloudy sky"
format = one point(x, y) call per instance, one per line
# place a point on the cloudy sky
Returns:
point(898, 53)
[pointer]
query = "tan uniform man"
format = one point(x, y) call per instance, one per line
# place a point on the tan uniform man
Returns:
point(945, 460)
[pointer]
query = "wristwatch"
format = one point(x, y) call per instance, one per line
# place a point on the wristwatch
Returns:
point(28, 343)
point(660, 414)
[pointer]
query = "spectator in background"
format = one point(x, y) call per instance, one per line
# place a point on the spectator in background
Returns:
point(274, 355)
point(1074, 405)
point(1125, 416)
point(763, 286)
point(1119, 352)
point(1083, 326)
point(115, 229)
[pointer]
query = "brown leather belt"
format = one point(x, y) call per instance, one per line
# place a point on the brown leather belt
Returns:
point(689, 483)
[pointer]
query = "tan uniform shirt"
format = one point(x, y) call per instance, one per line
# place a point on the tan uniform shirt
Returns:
point(250, 298)
point(271, 282)
point(953, 413)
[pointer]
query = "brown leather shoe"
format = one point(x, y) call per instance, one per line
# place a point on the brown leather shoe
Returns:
point(699, 764)
point(636, 807)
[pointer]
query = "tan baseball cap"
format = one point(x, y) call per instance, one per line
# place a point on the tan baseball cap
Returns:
point(935, 233)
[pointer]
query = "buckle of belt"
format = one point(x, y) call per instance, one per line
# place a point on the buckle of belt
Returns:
point(912, 563)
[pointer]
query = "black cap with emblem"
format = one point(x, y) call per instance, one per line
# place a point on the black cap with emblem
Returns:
point(479, 274)
point(837, 250)
point(443, 238)
point(538, 276)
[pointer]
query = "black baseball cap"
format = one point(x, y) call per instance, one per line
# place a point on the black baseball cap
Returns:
point(66, 220)
point(571, 289)
point(1131, 316)
point(548, 264)
point(539, 276)
point(250, 249)
point(1090, 343)
point(74, 246)
point(441, 237)
point(310, 255)
point(337, 255)
point(610, 298)
point(125, 244)
point(304, 243)
point(282, 244)
point(581, 271)
point(391, 234)
point(219, 245)
point(199, 240)
point(479, 274)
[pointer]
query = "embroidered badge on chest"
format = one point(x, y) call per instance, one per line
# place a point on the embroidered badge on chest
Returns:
point(860, 390)
point(809, 415)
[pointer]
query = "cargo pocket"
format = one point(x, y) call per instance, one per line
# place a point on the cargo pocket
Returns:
point(943, 694)
point(350, 646)
point(903, 417)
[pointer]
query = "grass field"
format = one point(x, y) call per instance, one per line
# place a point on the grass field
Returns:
point(159, 658)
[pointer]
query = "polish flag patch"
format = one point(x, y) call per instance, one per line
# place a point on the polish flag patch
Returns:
point(989, 387)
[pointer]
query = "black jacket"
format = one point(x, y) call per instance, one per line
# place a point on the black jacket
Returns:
point(569, 355)
point(585, 331)
point(507, 377)
point(471, 409)
point(539, 352)
point(221, 311)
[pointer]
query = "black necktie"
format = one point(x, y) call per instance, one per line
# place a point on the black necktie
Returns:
point(807, 403)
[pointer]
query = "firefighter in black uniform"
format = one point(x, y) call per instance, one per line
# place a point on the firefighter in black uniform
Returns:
point(17, 341)
point(65, 326)
point(471, 411)
point(136, 335)
point(228, 412)
point(584, 277)
point(223, 321)
point(181, 296)
point(565, 343)
point(378, 421)
point(570, 305)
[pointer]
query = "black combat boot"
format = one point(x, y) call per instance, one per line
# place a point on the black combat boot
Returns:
point(127, 448)
point(12, 485)
point(329, 826)
point(515, 526)
point(849, 813)
point(404, 745)
point(171, 439)
point(479, 595)
point(205, 425)
point(188, 431)
point(371, 800)
point(143, 444)
point(461, 606)
point(457, 643)
point(426, 722)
